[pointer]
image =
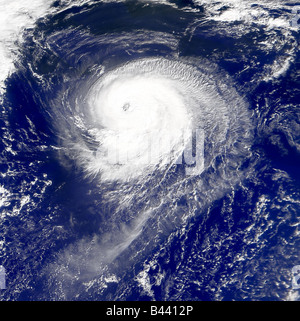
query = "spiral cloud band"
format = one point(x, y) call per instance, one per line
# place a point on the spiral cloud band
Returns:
point(153, 122)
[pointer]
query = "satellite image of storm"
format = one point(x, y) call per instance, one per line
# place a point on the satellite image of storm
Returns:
point(149, 150)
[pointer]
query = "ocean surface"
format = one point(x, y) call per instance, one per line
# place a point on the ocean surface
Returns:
point(83, 82)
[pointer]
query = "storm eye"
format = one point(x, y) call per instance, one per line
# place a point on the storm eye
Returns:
point(126, 106)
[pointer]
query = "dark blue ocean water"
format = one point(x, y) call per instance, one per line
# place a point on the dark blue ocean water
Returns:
point(242, 245)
